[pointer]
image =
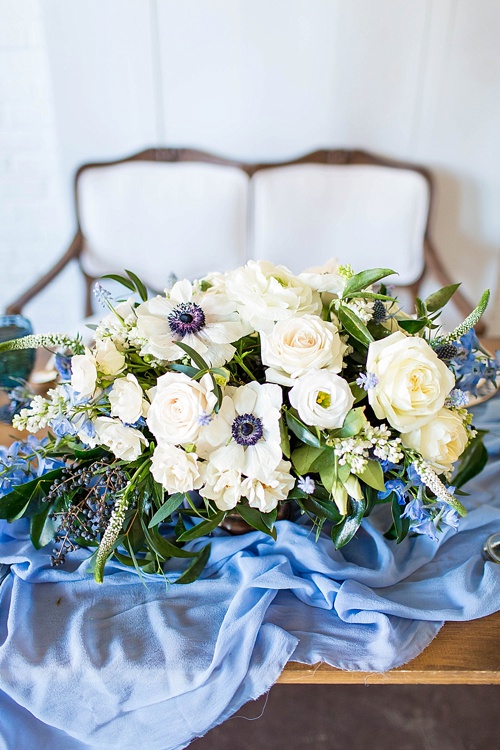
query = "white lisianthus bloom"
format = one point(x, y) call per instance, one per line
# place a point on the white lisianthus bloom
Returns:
point(221, 486)
point(265, 293)
point(84, 374)
point(298, 345)
point(127, 400)
point(176, 470)
point(265, 495)
point(125, 442)
point(441, 441)
point(109, 360)
point(324, 278)
point(245, 434)
point(322, 399)
point(412, 383)
point(209, 323)
point(180, 407)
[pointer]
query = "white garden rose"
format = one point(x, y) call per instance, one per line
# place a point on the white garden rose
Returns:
point(125, 442)
point(109, 360)
point(180, 407)
point(127, 400)
point(298, 345)
point(223, 486)
point(441, 441)
point(265, 495)
point(412, 383)
point(83, 374)
point(322, 399)
point(176, 470)
point(265, 293)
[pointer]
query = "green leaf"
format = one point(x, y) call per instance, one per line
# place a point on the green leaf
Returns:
point(365, 278)
point(358, 392)
point(254, 518)
point(197, 358)
point(401, 525)
point(91, 454)
point(163, 547)
point(202, 529)
point(143, 292)
point(121, 280)
point(344, 532)
point(304, 457)
point(284, 438)
point(27, 499)
point(132, 562)
point(186, 369)
point(321, 508)
point(372, 475)
point(473, 461)
point(42, 528)
point(300, 430)
point(412, 326)
point(439, 299)
point(354, 325)
point(193, 572)
point(166, 510)
point(420, 308)
point(353, 423)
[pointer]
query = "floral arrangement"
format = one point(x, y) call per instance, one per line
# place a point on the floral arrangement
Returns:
point(247, 394)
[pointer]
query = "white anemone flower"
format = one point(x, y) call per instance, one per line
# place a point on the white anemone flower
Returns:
point(245, 434)
point(208, 323)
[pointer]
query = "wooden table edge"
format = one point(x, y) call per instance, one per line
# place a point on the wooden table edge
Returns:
point(321, 674)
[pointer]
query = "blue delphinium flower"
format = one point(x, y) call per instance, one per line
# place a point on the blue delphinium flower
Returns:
point(367, 380)
point(398, 487)
point(306, 484)
point(24, 461)
point(63, 366)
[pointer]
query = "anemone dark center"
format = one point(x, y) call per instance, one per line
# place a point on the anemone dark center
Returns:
point(247, 429)
point(186, 318)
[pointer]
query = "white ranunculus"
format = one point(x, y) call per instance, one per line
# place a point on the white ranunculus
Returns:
point(322, 399)
point(324, 278)
point(412, 382)
point(221, 486)
point(298, 345)
point(125, 442)
point(109, 360)
point(265, 495)
point(83, 374)
point(180, 407)
point(265, 293)
point(441, 441)
point(176, 470)
point(127, 399)
point(245, 434)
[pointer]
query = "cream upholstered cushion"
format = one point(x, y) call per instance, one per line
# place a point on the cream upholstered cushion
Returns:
point(366, 215)
point(158, 218)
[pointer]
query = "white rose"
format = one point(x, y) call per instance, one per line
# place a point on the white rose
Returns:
point(180, 407)
point(266, 495)
point(127, 400)
point(125, 442)
point(109, 360)
point(265, 293)
point(223, 486)
point(322, 399)
point(298, 345)
point(176, 470)
point(441, 441)
point(412, 382)
point(83, 374)
point(324, 278)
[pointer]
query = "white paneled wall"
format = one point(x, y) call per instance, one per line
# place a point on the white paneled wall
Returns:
point(269, 79)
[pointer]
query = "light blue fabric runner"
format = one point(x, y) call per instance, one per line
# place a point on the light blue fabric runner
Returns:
point(152, 664)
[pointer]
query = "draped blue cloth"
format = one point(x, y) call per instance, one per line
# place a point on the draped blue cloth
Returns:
point(156, 664)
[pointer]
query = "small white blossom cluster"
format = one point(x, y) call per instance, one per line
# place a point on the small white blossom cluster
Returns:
point(371, 442)
point(42, 411)
point(434, 483)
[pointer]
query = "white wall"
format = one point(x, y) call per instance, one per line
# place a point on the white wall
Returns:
point(270, 79)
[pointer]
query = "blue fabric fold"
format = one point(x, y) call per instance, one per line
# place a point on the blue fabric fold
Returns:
point(154, 663)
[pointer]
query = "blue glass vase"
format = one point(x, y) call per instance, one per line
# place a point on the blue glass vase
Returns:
point(15, 366)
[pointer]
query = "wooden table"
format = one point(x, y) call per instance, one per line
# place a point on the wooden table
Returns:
point(462, 652)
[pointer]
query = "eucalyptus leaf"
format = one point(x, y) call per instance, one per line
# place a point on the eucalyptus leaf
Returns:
point(195, 569)
point(202, 529)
